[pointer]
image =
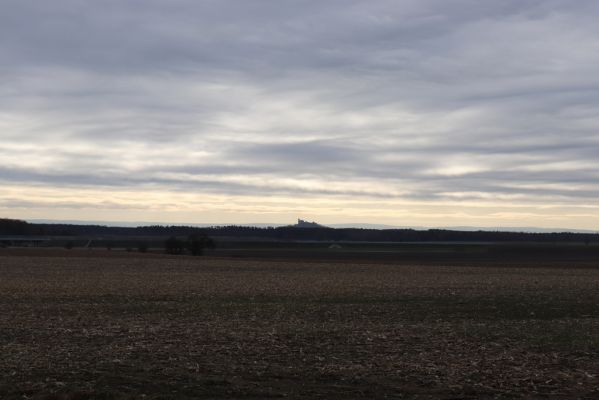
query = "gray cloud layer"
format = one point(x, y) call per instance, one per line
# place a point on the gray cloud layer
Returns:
point(416, 99)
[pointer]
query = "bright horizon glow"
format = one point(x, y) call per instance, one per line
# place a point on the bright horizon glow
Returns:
point(182, 208)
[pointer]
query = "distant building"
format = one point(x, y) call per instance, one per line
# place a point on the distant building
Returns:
point(306, 224)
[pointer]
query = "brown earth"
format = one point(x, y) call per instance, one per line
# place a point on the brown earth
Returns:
point(116, 325)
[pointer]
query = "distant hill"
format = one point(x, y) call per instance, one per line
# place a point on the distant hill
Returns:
point(529, 229)
point(310, 231)
point(356, 225)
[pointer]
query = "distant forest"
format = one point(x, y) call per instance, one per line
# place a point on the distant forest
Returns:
point(22, 228)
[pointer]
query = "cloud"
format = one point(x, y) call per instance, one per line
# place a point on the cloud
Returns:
point(428, 100)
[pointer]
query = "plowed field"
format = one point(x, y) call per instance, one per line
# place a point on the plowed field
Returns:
point(77, 325)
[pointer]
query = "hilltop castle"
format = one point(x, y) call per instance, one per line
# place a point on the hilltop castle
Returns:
point(306, 224)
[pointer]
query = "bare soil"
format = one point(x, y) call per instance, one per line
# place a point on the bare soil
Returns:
point(116, 325)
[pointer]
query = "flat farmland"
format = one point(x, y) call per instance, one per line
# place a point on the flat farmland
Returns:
point(98, 324)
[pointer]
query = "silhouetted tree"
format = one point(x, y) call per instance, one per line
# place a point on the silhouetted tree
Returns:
point(14, 227)
point(197, 243)
point(172, 245)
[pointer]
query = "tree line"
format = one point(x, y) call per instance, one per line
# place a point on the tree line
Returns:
point(18, 227)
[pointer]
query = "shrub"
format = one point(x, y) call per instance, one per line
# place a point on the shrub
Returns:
point(173, 245)
point(197, 243)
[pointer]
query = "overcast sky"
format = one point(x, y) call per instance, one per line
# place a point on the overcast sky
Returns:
point(411, 112)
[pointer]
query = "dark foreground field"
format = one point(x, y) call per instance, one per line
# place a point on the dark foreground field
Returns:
point(81, 325)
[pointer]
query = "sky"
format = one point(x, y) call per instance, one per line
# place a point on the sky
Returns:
point(400, 112)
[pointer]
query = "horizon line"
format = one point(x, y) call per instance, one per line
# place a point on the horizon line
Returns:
point(357, 225)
